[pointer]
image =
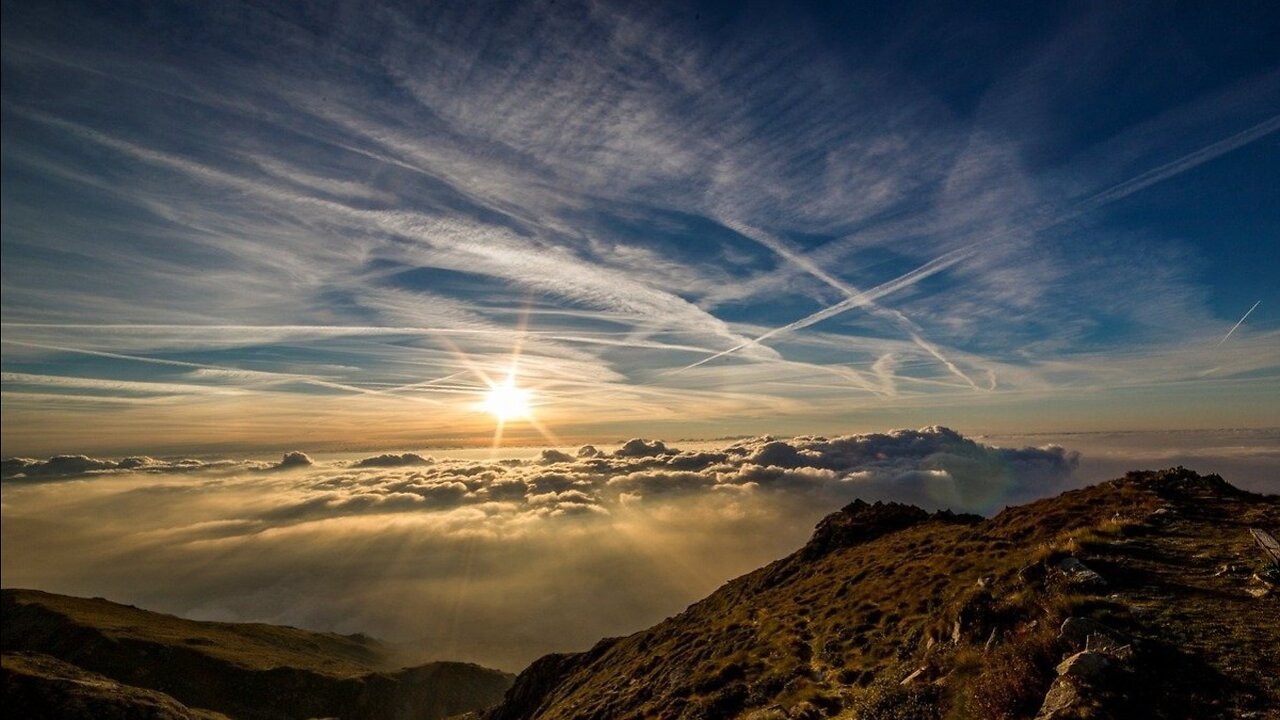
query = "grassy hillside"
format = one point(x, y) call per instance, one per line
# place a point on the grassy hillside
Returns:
point(241, 670)
point(889, 612)
point(253, 646)
point(39, 686)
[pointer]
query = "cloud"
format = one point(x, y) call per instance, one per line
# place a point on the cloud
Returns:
point(295, 459)
point(70, 466)
point(964, 475)
point(326, 214)
point(637, 447)
point(393, 460)
point(552, 456)
point(501, 561)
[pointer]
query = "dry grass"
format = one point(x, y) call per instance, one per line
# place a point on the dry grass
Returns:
point(834, 633)
point(250, 645)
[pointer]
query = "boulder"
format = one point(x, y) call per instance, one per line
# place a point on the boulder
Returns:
point(1086, 665)
point(1060, 702)
point(1080, 633)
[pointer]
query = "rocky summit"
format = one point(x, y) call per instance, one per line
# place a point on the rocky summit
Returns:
point(1143, 597)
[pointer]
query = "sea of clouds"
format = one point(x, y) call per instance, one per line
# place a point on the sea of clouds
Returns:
point(491, 561)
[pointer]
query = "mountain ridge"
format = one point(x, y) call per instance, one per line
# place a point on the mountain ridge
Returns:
point(892, 612)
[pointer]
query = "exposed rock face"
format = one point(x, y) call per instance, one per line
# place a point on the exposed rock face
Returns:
point(1061, 702)
point(1084, 665)
point(1081, 689)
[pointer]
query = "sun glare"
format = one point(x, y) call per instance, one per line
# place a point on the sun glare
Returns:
point(507, 402)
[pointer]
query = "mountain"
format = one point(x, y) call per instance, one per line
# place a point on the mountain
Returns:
point(76, 657)
point(1142, 597)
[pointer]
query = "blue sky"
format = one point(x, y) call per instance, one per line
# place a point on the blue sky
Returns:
point(266, 226)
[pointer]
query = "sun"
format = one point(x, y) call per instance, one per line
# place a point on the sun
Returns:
point(507, 402)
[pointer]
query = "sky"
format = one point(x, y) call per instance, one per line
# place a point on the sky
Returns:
point(238, 228)
point(352, 316)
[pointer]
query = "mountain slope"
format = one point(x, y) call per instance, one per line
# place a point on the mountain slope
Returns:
point(1148, 587)
point(240, 669)
point(39, 686)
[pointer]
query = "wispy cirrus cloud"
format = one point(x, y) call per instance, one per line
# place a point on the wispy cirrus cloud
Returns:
point(676, 222)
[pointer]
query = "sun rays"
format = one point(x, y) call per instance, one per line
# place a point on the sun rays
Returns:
point(507, 401)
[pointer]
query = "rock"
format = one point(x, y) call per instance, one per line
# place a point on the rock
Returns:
point(1109, 646)
point(991, 640)
point(1079, 574)
point(1077, 631)
point(908, 679)
point(1085, 665)
point(1031, 574)
point(1060, 701)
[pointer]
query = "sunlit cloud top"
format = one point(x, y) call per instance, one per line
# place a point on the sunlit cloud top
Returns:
point(235, 226)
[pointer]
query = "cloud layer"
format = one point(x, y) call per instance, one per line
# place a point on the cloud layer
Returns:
point(494, 561)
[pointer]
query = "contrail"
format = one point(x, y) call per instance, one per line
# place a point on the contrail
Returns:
point(942, 262)
point(1238, 324)
point(867, 297)
point(856, 297)
point(273, 376)
point(1184, 163)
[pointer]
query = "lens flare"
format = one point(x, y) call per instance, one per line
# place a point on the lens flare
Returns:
point(507, 402)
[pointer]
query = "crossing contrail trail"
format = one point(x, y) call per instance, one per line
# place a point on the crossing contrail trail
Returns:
point(855, 298)
point(1238, 324)
point(860, 299)
point(942, 262)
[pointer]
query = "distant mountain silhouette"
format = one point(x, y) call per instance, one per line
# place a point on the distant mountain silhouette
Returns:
point(75, 657)
point(1139, 597)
